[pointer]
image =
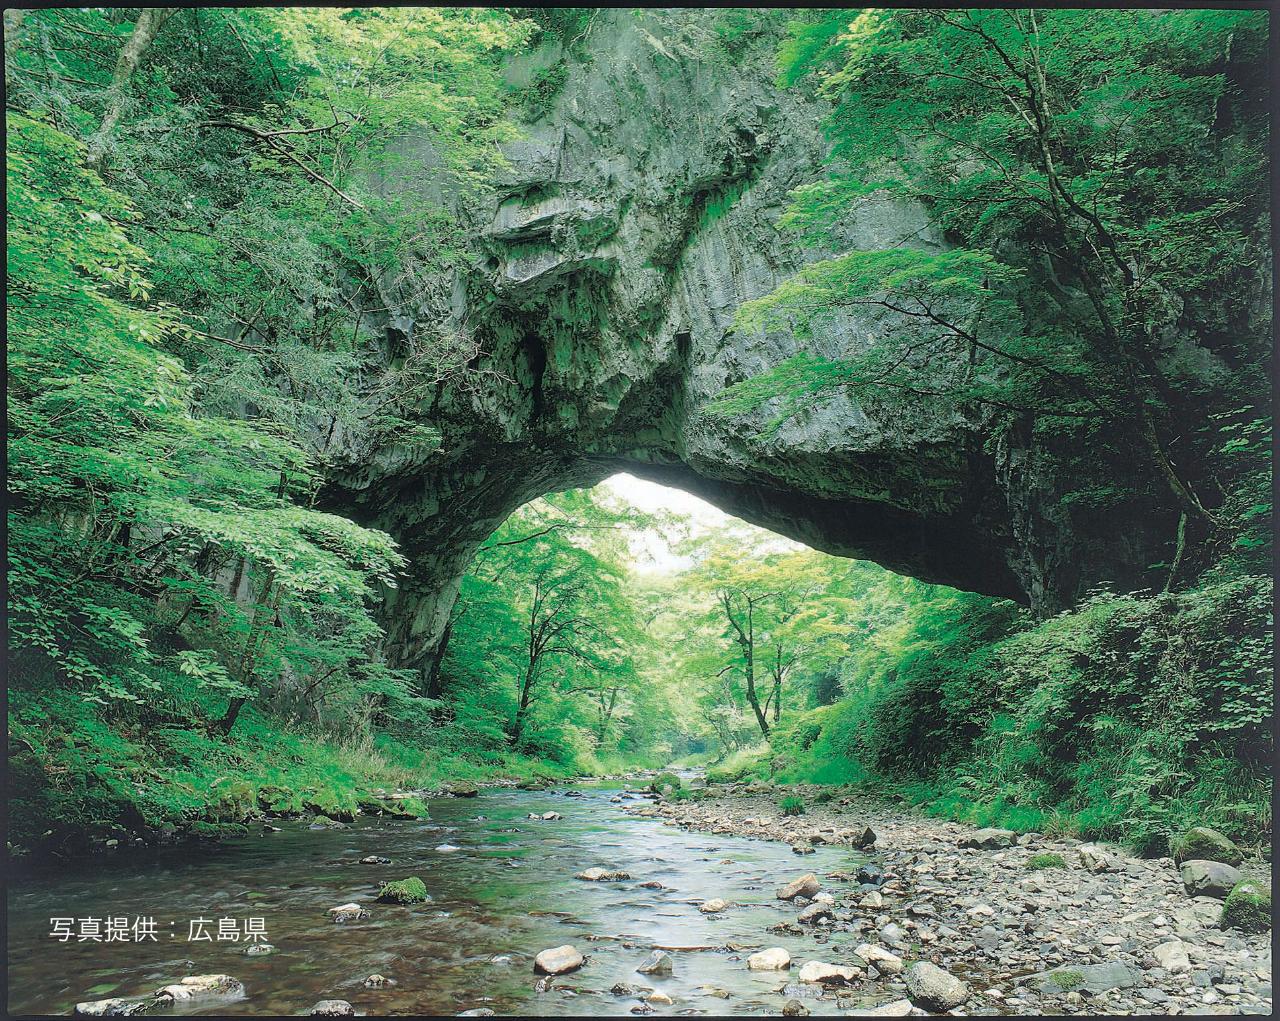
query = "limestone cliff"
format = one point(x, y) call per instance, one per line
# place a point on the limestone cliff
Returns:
point(637, 213)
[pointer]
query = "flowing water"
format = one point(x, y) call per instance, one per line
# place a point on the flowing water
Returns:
point(505, 894)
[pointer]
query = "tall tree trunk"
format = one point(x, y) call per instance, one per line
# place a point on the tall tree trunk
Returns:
point(247, 658)
point(145, 29)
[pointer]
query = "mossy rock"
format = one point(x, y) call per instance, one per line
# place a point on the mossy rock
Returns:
point(232, 801)
point(281, 801)
point(1247, 907)
point(666, 783)
point(404, 891)
point(407, 808)
point(1200, 843)
point(331, 804)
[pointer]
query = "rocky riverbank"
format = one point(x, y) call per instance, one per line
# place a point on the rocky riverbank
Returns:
point(1002, 923)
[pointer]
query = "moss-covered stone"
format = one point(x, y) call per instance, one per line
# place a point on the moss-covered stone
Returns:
point(1046, 861)
point(666, 783)
point(404, 891)
point(1247, 907)
point(1200, 843)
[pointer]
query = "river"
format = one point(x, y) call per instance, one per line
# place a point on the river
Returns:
point(508, 892)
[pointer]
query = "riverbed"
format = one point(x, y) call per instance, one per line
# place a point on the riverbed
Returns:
point(507, 892)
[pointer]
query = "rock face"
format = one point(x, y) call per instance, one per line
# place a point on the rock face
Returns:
point(597, 299)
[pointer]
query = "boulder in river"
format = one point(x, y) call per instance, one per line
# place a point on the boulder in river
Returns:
point(714, 906)
point(801, 848)
point(404, 891)
point(1200, 843)
point(625, 989)
point(459, 789)
point(448, 848)
point(116, 1006)
point(201, 987)
point(558, 960)
point(932, 988)
point(477, 1012)
point(871, 874)
point(659, 998)
point(374, 859)
point(332, 1008)
point(806, 886)
point(599, 875)
point(828, 974)
point(884, 960)
point(773, 959)
point(1209, 878)
point(794, 1008)
point(258, 949)
point(377, 982)
point(657, 963)
point(988, 839)
point(818, 911)
point(352, 912)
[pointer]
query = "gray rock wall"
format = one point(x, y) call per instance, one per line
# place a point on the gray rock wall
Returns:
point(638, 212)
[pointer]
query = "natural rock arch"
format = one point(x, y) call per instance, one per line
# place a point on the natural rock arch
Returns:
point(640, 210)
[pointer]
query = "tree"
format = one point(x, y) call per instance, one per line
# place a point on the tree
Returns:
point(781, 612)
point(1089, 179)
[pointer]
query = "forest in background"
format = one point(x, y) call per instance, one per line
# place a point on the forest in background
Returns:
point(194, 224)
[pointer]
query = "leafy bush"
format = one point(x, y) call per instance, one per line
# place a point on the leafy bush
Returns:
point(1038, 862)
point(792, 805)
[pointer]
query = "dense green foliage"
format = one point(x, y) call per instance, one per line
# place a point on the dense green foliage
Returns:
point(1092, 186)
point(192, 220)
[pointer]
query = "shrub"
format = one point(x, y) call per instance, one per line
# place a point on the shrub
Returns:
point(1046, 861)
point(792, 805)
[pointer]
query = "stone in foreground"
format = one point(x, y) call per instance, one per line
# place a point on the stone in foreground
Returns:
point(773, 959)
point(116, 1006)
point(894, 1008)
point(332, 1008)
point(657, 963)
point(558, 960)
point(1096, 978)
point(201, 987)
point(794, 1008)
point(806, 886)
point(1209, 878)
point(930, 987)
point(828, 974)
point(818, 911)
point(714, 906)
point(988, 839)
